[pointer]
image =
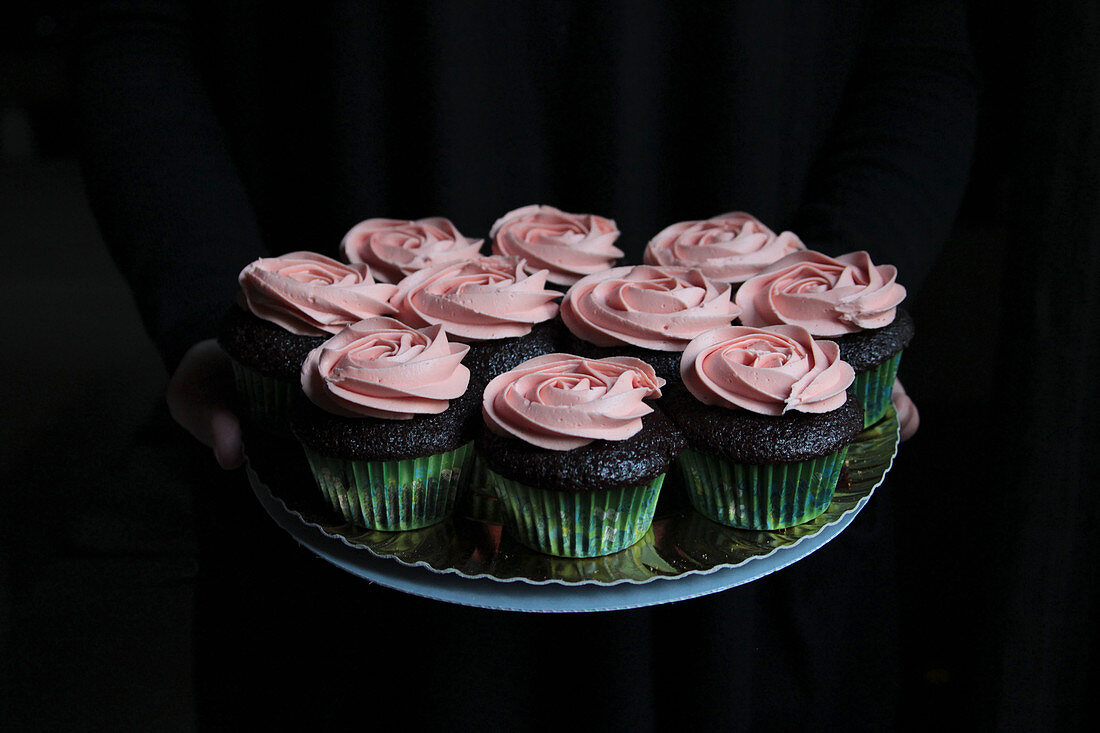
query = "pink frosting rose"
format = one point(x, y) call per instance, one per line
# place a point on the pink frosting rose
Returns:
point(312, 295)
point(395, 248)
point(569, 246)
point(732, 247)
point(379, 367)
point(660, 308)
point(482, 299)
point(561, 401)
point(766, 370)
point(826, 296)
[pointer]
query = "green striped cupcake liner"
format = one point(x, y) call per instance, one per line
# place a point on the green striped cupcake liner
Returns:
point(760, 497)
point(481, 503)
point(874, 387)
point(396, 495)
point(576, 524)
point(265, 400)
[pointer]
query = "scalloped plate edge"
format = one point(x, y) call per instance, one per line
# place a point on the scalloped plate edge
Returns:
point(843, 518)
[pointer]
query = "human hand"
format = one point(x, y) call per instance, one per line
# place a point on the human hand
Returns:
point(908, 417)
point(200, 398)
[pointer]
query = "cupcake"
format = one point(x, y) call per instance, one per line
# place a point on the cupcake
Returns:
point(568, 246)
point(575, 455)
point(730, 248)
point(504, 313)
point(288, 306)
point(847, 299)
point(768, 422)
point(646, 312)
point(491, 303)
point(388, 423)
point(395, 248)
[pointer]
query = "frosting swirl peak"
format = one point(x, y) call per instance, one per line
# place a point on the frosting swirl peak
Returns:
point(660, 308)
point(561, 402)
point(768, 371)
point(826, 296)
point(730, 247)
point(312, 295)
point(478, 300)
point(568, 246)
point(379, 367)
point(395, 248)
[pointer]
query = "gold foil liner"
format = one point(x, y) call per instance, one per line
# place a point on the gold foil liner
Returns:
point(677, 544)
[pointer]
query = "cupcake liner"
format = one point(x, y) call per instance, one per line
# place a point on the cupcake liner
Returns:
point(392, 495)
point(576, 524)
point(481, 503)
point(874, 387)
point(265, 400)
point(759, 497)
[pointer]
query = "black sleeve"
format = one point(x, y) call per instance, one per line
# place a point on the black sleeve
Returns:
point(160, 179)
point(893, 175)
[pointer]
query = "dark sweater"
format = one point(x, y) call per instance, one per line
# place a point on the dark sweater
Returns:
point(218, 132)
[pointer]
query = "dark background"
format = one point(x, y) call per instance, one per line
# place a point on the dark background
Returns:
point(994, 497)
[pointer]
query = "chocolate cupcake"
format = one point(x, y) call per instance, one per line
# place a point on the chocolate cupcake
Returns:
point(568, 246)
point(289, 305)
point(847, 299)
point(650, 313)
point(395, 248)
point(576, 457)
point(490, 303)
point(768, 423)
point(505, 315)
point(727, 248)
point(388, 423)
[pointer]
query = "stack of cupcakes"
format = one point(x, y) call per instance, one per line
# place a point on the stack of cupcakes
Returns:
point(387, 365)
point(288, 306)
point(847, 299)
point(489, 302)
point(505, 314)
point(647, 312)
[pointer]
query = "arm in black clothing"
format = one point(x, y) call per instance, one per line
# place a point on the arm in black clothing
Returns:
point(160, 179)
point(894, 173)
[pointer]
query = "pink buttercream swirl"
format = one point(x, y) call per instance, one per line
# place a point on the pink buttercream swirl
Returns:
point(826, 296)
point(479, 300)
point(660, 308)
point(395, 248)
point(379, 367)
point(731, 247)
point(569, 246)
point(312, 295)
point(561, 401)
point(766, 370)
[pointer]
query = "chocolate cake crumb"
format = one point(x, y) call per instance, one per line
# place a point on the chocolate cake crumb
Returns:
point(487, 359)
point(263, 346)
point(601, 464)
point(741, 436)
point(665, 363)
point(867, 349)
point(374, 438)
